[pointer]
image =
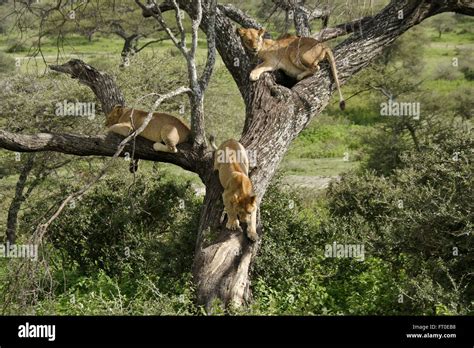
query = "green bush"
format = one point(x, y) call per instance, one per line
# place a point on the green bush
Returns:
point(422, 211)
point(293, 277)
point(100, 294)
point(447, 72)
point(15, 46)
point(466, 62)
point(146, 229)
point(7, 63)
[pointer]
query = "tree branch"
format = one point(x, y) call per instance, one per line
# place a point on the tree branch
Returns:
point(211, 47)
point(118, 29)
point(227, 42)
point(101, 145)
point(302, 15)
point(342, 29)
point(197, 85)
point(155, 12)
point(239, 16)
point(102, 84)
point(150, 43)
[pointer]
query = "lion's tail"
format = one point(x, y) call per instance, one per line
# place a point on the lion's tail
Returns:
point(212, 141)
point(133, 166)
point(332, 62)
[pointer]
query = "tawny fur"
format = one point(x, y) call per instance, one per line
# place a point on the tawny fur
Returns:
point(298, 57)
point(240, 202)
point(165, 130)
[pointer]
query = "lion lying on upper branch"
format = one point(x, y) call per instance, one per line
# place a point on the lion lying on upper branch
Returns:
point(165, 130)
point(297, 56)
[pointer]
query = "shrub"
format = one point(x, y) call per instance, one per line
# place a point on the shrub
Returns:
point(14, 46)
point(422, 211)
point(447, 72)
point(147, 229)
point(466, 62)
point(7, 63)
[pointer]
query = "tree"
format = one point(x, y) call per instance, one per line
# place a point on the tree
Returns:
point(36, 170)
point(131, 39)
point(443, 24)
point(275, 115)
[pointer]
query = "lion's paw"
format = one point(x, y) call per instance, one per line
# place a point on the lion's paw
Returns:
point(254, 76)
point(252, 236)
point(232, 225)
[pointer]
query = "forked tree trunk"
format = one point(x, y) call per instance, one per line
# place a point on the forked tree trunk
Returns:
point(223, 258)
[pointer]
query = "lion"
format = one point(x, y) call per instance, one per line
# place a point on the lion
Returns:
point(240, 202)
point(166, 131)
point(297, 56)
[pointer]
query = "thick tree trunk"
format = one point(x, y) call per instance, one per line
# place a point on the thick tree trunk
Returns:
point(223, 258)
point(15, 205)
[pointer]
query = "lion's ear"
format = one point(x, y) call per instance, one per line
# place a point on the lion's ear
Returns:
point(118, 108)
point(240, 31)
point(261, 32)
point(253, 199)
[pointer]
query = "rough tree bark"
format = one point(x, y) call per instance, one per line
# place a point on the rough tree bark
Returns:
point(18, 198)
point(275, 115)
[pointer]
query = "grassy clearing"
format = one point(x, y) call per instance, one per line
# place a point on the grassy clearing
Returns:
point(75, 46)
point(317, 166)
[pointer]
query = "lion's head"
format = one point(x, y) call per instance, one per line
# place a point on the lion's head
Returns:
point(245, 206)
point(114, 115)
point(252, 38)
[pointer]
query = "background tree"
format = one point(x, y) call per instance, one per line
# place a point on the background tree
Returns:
point(443, 24)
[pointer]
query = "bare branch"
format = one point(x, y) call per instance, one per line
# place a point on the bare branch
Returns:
point(302, 15)
point(179, 21)
point(211, 47)
point(156, 13)
point(227, 42)
point(150, 43)
point(318, 13)
point(196, 22)
point(197, 86)
point(149, 116)
point(118, 29)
